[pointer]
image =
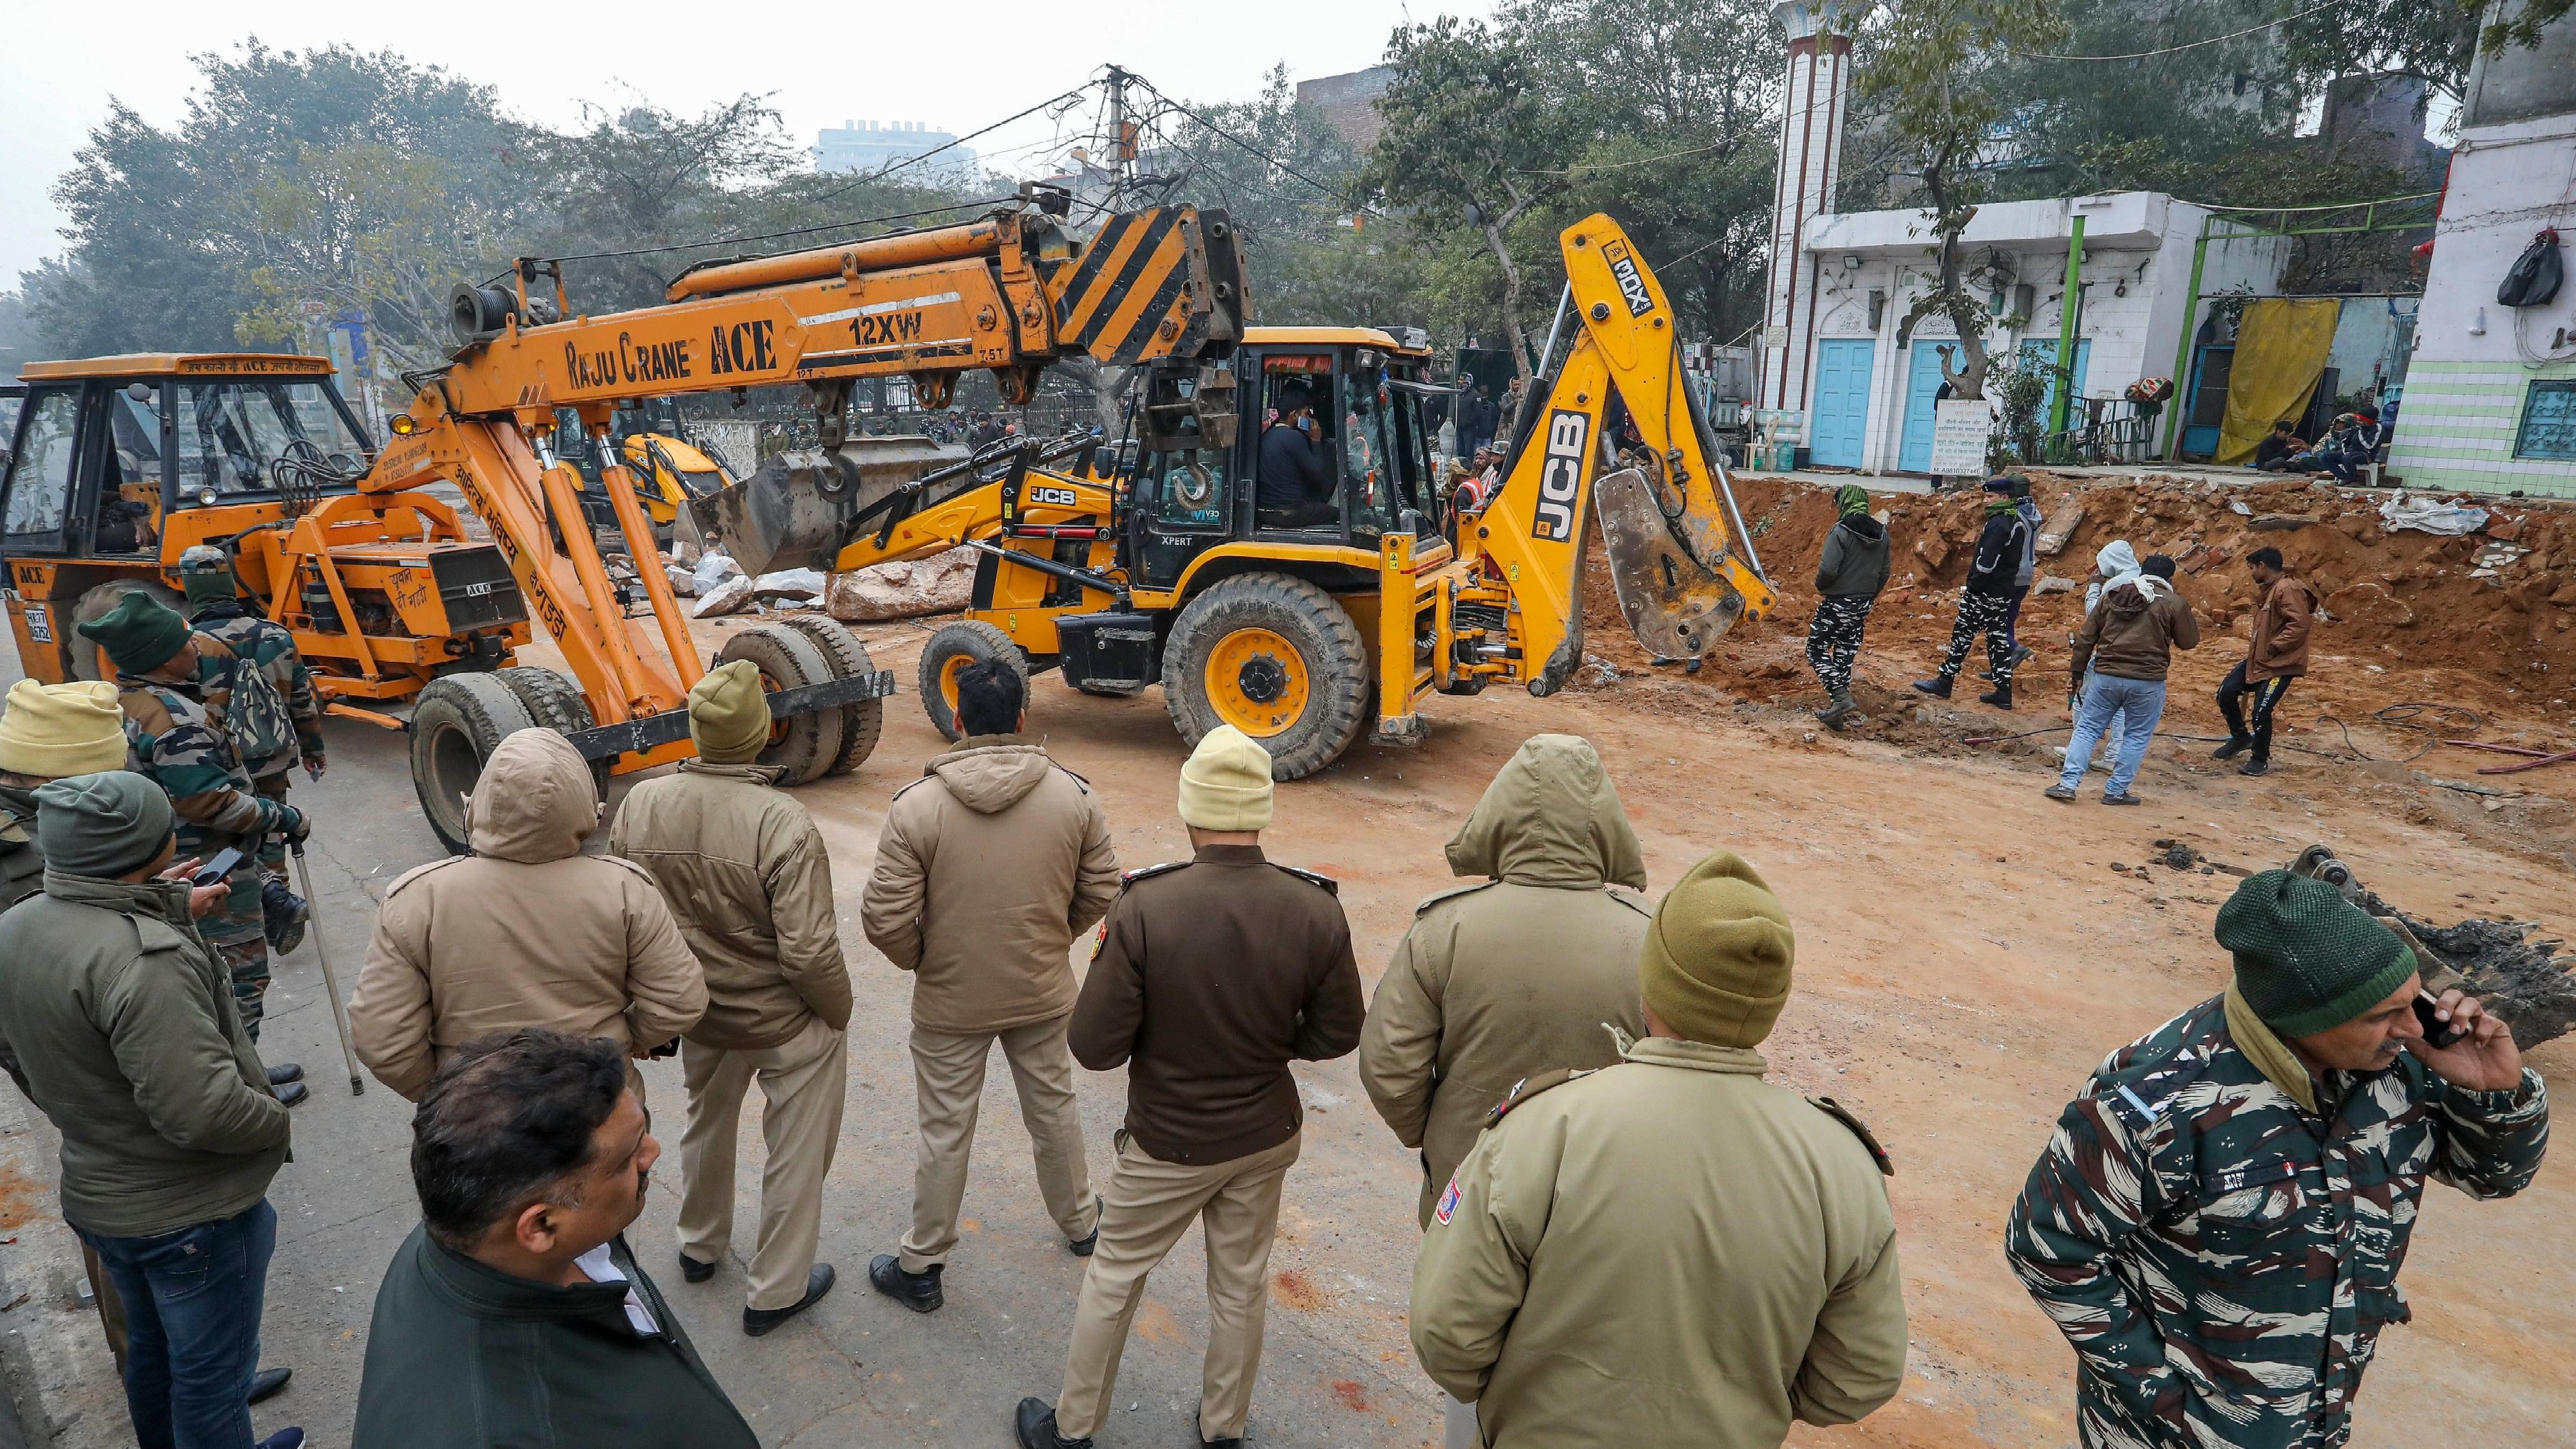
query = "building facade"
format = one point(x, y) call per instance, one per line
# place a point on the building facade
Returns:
point(865, 146)
point(2490, 399)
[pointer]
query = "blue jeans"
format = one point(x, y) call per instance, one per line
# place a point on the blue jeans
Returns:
point(192, 1306)
point(2136, 705)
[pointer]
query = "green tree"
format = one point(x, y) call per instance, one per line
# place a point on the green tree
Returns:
point(1935, 70)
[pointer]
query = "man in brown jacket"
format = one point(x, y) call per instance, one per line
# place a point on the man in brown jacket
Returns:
point(1210, 976)
point(986, 870)
point(526, 931)
point(2121, 655)
point(2275, 654)
point(1671, 1250)
point(745, 874)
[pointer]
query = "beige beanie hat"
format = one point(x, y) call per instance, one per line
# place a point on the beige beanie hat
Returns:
point(55, 730)
point(1226, 783)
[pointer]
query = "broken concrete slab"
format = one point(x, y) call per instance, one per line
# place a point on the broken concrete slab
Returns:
point(941, 584)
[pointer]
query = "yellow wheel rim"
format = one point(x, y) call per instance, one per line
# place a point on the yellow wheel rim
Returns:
point(1256, 681)
point(948, 673)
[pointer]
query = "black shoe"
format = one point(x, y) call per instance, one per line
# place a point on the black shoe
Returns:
point(1034, 1424)
point(1938, 686)
point(2256, 768)
point(1200, 1423)
point(267, 1384)
point(2020, 653)
point(757, 1321)
point(2236, 745)
point(2000, 696)
point(695, 1271)
point(283, 1439)
point(916, 1291)
point(282, 914)
point(2123, 798)
point(1084, 1247)
point(283, 1073)
point(291, 1093)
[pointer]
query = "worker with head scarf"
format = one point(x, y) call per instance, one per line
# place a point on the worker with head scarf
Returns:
point(1848, 578)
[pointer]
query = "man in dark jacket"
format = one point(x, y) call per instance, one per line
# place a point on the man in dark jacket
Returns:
point(1986, 600)
point(515, 1313)
point(1849, 576)
point(1207, 979)
point(1295, 488)
point(2275, 653)
point(2128, 641)
point(121, 1022)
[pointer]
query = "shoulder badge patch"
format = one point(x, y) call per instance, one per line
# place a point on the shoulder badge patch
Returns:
point(1331, 886)
point(1633, 900)
point(1448, 1202)
point(1455, 891)
point(1526, 1088)
point(1859, 1129)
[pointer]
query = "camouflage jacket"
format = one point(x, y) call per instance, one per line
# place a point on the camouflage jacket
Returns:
point(270, 649)
point(2223, 1258)
point(172, 737)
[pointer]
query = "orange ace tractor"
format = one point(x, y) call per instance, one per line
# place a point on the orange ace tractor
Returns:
point(1310, 618)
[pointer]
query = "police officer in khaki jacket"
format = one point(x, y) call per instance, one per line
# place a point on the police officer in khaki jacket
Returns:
point(1670, 1250)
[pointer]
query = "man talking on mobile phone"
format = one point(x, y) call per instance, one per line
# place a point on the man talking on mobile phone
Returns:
point(2217, 1223)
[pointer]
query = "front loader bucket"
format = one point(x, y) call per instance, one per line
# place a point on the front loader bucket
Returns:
point(797, 509)
point(1676, 605)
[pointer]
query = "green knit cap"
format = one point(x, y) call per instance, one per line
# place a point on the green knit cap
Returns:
point(2307, 960)
point(728, 715)
point(102, 825)
point(141, 633)
point(207, 576)
point(1716, 963)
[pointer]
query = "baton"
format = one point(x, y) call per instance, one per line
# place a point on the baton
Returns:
point(330, 983)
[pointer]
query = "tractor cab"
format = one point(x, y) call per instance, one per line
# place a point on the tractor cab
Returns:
point(653, 441)
point(1332, 454)
point(117, 465)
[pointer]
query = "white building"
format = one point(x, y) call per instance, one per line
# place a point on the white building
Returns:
point(865, 146)
point(2490, 397)
point(1869, 383)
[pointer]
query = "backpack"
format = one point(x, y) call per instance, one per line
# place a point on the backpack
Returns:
point(255, 714)
point(2533, 279)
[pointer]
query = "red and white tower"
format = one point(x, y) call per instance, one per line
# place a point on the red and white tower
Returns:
point(1811, 155)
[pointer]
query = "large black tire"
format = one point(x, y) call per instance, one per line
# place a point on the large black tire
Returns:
point(455, 725)
point(955, 646)
point(804, 746)
point(1275, 657)
point(555, 702)
point(86, 659)
point(862, 722)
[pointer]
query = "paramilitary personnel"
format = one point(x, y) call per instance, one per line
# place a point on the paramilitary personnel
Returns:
point(261, 732)
point(186, 747)
point(2217, 1223)
point(1209, 977)
point(1670, 1250)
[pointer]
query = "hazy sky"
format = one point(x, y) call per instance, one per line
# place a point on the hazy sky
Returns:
point(955, 66)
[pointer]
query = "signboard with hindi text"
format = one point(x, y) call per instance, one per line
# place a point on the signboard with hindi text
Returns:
point(1960, 428)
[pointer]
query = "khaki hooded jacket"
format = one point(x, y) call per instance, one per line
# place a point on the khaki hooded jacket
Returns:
point(1521, 974)
point(988, 867)
point(526, 931)
point(746, 876)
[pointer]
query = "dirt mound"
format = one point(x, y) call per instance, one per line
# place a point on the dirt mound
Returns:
point(2518, 978)
point(2485, 622)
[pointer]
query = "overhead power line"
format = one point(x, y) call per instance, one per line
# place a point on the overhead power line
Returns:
point(2192, 44)
point(1223, 134)
point(893, 167)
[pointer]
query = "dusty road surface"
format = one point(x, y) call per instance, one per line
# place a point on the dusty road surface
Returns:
point(1966, 954)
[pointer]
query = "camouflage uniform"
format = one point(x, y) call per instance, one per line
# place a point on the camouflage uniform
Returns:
point(2221, 1258)
point(270, 649)
point(176, 736)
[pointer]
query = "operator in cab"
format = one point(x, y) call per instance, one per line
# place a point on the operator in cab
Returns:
point(1296, 480)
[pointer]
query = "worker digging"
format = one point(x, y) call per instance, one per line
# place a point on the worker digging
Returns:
point(1432, 1022)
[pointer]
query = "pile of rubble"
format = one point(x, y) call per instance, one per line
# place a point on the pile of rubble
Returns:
point(940, 584)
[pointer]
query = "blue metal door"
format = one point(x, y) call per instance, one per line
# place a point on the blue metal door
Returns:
point(1922, 386)
point(2043, 353)
point(1842, 401)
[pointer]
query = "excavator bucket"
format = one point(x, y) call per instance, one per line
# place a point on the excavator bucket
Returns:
point(797, 509)
point(1675, 604)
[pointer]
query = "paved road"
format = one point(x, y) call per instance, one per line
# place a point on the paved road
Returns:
point(857, 1369)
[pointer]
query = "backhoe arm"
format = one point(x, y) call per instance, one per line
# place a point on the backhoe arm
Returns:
point(1681, 560)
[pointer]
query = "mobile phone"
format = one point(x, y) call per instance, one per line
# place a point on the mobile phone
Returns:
point(2437, 1032)
point(219, 869)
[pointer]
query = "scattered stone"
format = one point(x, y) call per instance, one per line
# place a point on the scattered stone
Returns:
point(683, 582)
point(2053, 585)
point(2281, 522)
point(2060, 525)
point(727, 597)
point(2122, 869)
point(940, 584)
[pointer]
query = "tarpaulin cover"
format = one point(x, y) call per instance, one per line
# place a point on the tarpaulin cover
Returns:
point(2281, 348)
